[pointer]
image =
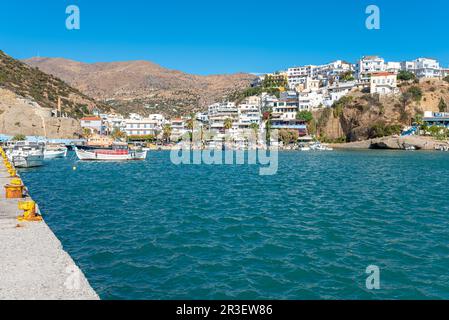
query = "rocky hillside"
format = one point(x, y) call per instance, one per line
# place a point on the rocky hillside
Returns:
point(142, 86)
point(360, 116)
point(33, 84)
point(20, 115)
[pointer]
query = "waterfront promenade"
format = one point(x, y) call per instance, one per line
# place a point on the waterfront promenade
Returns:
point(33, 264)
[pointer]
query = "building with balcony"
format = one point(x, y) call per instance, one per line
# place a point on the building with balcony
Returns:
point(424, 68)
point(142, 127)
point(383, 83)
point(368, 65)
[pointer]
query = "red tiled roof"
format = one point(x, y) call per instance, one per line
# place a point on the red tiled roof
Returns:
point(383, 74)
point(91, 119)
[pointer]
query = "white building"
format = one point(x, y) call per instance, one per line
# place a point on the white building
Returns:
point(285, 110)
point(337, 91)
point(368, 65)
point(179, 128)
point(94, 124)
point(333, 69)
point(310, 100)
point(114, 121)
point(249, 112)
point(423, 68)
point(383, 83)
point(159, 118)
point(393, 67)
point(220, 112)
point(142, 127)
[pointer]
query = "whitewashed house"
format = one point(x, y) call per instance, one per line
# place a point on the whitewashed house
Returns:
point(368, 65)
point(94, 124)
point(383, 83)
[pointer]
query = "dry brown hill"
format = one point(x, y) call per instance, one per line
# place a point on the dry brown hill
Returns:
point(142, 86)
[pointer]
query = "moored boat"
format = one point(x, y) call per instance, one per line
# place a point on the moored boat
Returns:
point(51, 152)
point(118, 152)
point(27, 155)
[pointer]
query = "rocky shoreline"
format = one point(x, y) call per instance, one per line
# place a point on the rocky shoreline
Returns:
point(393, 143)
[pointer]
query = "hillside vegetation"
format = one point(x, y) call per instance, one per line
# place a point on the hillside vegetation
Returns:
point(144, 87)
point(31, 83)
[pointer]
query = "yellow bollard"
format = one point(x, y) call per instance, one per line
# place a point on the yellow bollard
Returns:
point(14, 190)
point(29, 211)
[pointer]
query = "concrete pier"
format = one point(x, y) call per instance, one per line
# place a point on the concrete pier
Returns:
point(33, 264)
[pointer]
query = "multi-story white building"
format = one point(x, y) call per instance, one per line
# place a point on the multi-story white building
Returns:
point(114, 121)
point(249, 112)
point(142, 127)
point(310, 100)
point(159, 118)
point(298, 75)
point(333, 69)
point(179, 128)
point(383, 83)
point(368, 65)
point(285, 110)
point(220, 112)
point(423, 68)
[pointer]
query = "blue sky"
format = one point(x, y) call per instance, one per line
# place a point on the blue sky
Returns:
point(208, 37)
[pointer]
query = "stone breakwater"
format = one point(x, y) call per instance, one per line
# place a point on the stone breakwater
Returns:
point(33, 264)
point(393, 143)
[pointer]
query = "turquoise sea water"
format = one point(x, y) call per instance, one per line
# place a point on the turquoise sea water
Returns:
point(153, 230)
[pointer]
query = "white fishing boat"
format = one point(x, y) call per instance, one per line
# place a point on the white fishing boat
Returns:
point(27, 155)
point(118, 152)
point(55, 152)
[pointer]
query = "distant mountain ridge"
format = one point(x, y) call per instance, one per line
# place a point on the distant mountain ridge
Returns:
point(143, 86)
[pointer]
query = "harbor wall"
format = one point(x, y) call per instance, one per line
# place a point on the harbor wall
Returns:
point(33, 263)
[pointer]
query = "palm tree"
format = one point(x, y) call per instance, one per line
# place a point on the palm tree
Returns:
point(228, 123)
point(166, 132)
point(118, 134)
point(87, 133)
point(255, 128)
point(190, 124)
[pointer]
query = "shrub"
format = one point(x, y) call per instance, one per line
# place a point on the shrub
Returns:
point(406, 75)
point(415, 93)
point(442, 106)
point(381, 130)
point(305, 116)
point(19, 137)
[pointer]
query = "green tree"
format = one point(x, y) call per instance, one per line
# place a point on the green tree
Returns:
point(228, 123)
point(406, 75)
point(87, 133)
point(446, 78)
point(166, 132)
point(306, 116)
point(347, 76)
point(19, 137)
point(442, 106)
point(416, 93)
point(118, 134)
point(255, 127)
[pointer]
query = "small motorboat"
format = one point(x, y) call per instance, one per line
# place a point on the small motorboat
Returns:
point(27, 154)
point(54, 152)
point(118, 152)
point(317, 146)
